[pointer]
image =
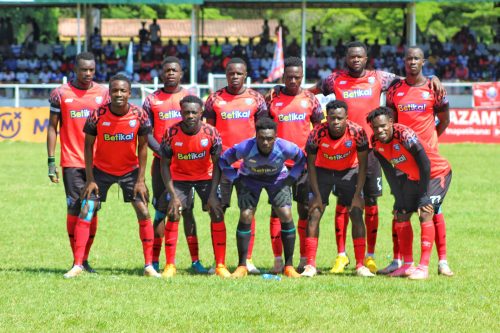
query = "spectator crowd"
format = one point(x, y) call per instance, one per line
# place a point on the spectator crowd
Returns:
point(38, 60)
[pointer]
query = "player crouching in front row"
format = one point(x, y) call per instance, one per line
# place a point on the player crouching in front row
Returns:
point(263, 167)
point(337, 154)
point(421, 188)
point(117, 130)
point(190, 153)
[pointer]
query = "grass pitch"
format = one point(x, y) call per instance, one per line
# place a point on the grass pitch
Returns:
point(34, 254)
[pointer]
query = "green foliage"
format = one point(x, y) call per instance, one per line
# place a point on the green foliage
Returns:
point(47, 19)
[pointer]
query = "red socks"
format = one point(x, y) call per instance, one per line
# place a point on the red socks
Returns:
point(252, 239)
point(302, 226)
point(92, 231)
point(311, 245)
point(440, 227)
point(81, 234)
point(395, 244)
point(341, 222)
point(275, 232)
point(171, 235)
point(405, 239)
point(70, 227)
point(359, 250)
point(193, 247)
point(371, 222)
point(426, 241)
point(146, 233)
point(157, 248)
point(218, 231)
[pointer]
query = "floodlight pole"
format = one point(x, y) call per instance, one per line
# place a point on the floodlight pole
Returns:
point(194, 49)
point(411, 24)
point(303, 43)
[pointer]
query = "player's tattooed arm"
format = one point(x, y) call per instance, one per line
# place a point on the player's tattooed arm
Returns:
point(140, 188)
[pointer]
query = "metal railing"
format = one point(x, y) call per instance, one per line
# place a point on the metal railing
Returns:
point(36, 95)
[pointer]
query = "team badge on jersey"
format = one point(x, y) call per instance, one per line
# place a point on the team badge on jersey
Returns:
point(425, 94)
point(204, 142)
point(249, 101)
point(381, 149)
point(371, 80)
point(98, 99)
point(304, 103)
point(132, 123)
point(348, 143)
point(342, 82)
point(396, 146)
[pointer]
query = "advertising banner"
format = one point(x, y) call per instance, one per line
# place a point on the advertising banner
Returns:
point(486, 94)
point(473, 125)
point(24, 124)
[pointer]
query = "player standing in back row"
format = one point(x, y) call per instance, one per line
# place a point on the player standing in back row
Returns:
point(163, 108)
point(233, 111)
point(361, 90)
point(295, 111)
point(416, 105)
point(70, 105)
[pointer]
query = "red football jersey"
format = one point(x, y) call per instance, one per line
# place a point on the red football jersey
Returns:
point(337, 154)
point(362, 94)
point(74, 106)
point(398, 154)
point(191, 155)
point(116, 142)
point(235, 115)
point(294, 115)
point(415, 107)
point(163, 110)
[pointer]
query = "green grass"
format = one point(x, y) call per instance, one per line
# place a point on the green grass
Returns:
point(34, 253)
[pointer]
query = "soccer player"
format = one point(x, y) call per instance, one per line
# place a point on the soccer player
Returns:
point(294, 110)
point(189, 150)
point(422, 187)
point(416, 105)
point(233, 111)
point(116, 151)
point(70, 105)
point(337, 154)
point(163, 108)
point(361, 90)
point(263, 167)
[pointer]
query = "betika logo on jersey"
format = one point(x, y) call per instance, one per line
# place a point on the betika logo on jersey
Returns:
point(235, 114)
point(412, 107)
point(357, 93)
point(292, 117)
point(76, 114)
point(336, 157)
point(170, 114)
point(191, 156)
point(118, 137)
point(397, 160)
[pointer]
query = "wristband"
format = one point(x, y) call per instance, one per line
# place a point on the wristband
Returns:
point(51, 159)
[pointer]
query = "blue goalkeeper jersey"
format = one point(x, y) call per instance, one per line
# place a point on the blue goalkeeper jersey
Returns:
point(263, 167)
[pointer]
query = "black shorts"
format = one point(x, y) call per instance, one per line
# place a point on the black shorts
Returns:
point(373, 182)
point(341, 183)
point(156, 182)
point(301, 189)
point(185, 191)
point(226, 190)
point(408, 199)
point(249, 190)
point(438, 187)
point(127, 182)
point(74, 182)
